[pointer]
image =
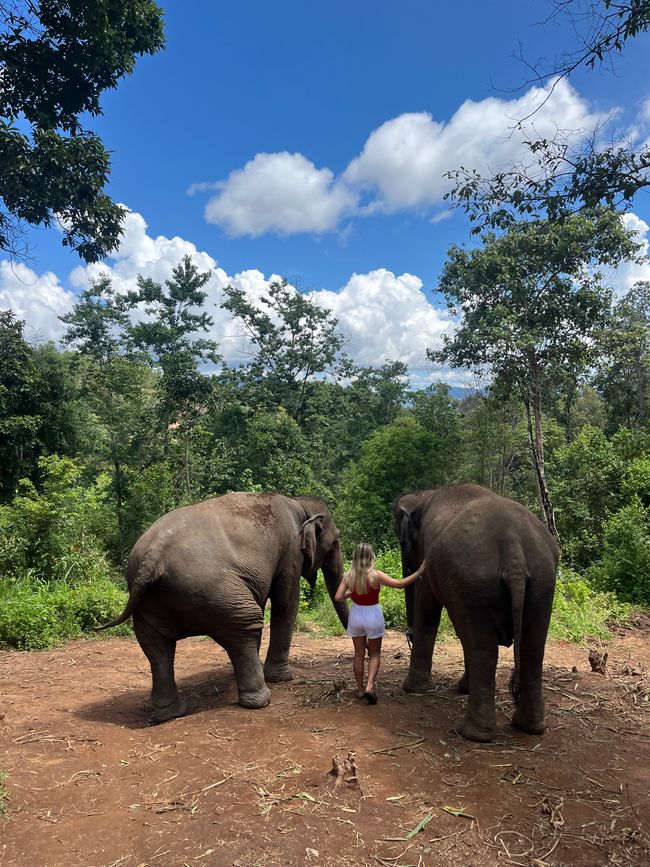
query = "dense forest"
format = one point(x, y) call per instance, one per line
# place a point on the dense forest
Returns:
point(135, 414)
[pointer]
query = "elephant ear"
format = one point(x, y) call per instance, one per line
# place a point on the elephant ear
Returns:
point(308, 532)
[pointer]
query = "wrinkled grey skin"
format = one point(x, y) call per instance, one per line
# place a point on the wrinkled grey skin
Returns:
point(208, 569)
point(492, 564)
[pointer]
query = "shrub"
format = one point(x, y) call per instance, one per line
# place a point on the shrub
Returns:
point(624, 567)
point(34, 616)
point(51, 534)
point(580, 611)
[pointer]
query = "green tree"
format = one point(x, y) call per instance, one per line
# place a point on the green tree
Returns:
point(435, 410)
point(168, 337)
point(495, 450)
point(396, 458)
point(37, 404)
point(624, 359)
point(530, 304)
point(117, 391)
point(56, 60)
point(566, 173)
point(276, 456)
point(293, 340)
point(19, 417)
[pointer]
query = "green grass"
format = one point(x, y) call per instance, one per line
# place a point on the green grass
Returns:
point(35, 616)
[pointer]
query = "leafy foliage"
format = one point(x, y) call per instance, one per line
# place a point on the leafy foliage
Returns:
point(112, 433)
point(530, 304)
point(57, 58)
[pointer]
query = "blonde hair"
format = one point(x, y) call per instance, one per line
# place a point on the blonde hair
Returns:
point(361, 573)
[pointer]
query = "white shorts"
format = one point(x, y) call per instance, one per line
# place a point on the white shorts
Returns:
point(366, 620)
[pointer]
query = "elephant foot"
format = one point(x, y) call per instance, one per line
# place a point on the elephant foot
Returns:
point(474, 731)
point(418, 682)
point(277, 673)
point(463, 685)
point(170, 711)
point(532, 725)
point(255, 698)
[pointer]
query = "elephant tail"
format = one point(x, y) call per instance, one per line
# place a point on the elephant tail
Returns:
point(148, 573)
point(517, 586)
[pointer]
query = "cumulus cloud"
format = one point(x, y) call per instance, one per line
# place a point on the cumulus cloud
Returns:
point(386, 317)
point(37, 299)
point(404, 161)
point(383, 315)
point(623, 278)
point(401, 167)
point(279, 192)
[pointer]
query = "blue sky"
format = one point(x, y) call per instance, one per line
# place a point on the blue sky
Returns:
point(301, 111)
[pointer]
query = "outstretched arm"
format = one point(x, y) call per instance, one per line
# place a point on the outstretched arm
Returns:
point(387, 581)
point(343, 592)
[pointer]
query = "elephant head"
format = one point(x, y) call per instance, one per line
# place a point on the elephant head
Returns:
point(407, 513)
point(320, 548)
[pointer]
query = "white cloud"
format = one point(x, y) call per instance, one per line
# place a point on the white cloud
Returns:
point(385, 316)
point(279, 192)
point(404, 161)
point(623, 278)
point(38, 300)
point(401, 167)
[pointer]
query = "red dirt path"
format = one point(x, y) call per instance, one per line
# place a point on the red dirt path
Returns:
point(88, 783)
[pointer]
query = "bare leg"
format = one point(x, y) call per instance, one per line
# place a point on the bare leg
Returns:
point(358, 662)
point(374, 649)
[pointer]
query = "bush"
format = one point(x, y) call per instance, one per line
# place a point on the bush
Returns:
point(52, 534)
point(580, 611)
point(625, 565)
point(34, 616)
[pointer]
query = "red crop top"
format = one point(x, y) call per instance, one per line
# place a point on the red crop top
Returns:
point(370, 597)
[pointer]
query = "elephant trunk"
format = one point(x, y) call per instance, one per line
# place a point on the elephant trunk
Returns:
point(333, 573)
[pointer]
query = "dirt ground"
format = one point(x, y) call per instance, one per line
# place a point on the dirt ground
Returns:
point(89, 783)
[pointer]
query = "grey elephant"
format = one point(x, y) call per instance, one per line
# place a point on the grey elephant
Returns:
point(208, 569)
point(492, 564)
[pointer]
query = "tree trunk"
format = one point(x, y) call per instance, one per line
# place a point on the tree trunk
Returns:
point(536, 441)
point(533, 404)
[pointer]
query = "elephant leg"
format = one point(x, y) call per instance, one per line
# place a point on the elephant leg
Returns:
point(245, 659)
point(160, 652)
point(426, 620)
point(284, 598)
point(529, 715)
point(481, 655)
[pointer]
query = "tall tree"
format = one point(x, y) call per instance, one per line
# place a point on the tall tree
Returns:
point(37, 404)
point(56, 60)
point(530, 304)
point(175, 317)
point(293, 341)
point(113, 385)
point(624, 359)
point(19, 416)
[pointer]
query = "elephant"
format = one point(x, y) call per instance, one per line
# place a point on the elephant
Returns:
point(492, 564)
point(209, 568)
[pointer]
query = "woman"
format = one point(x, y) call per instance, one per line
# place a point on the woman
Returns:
point(366, 621)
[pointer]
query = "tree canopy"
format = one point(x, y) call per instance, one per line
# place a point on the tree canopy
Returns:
point(56, 60)
point(566, 173)
point(530, 304)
